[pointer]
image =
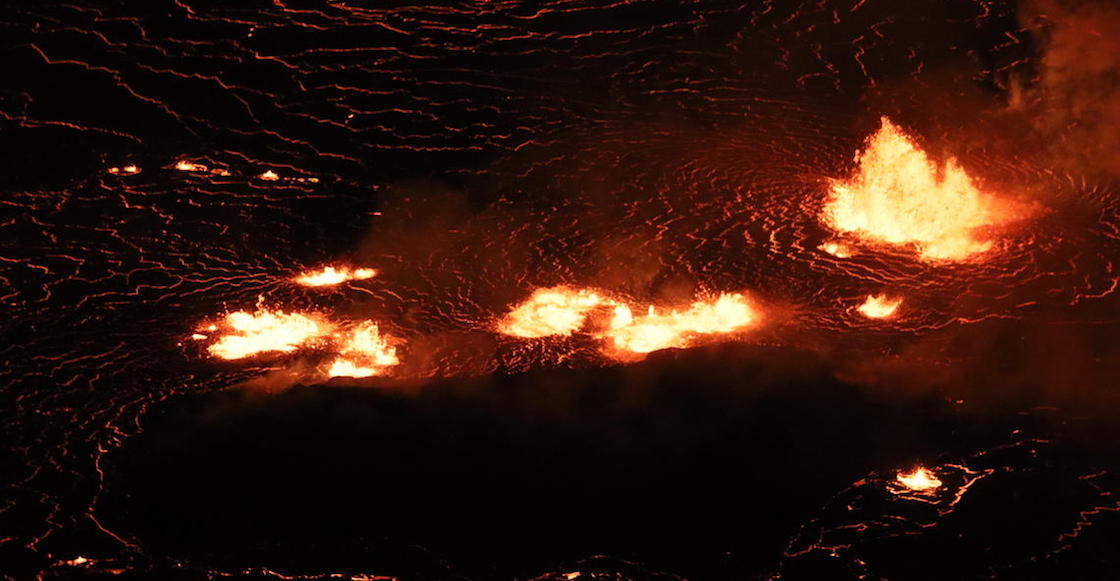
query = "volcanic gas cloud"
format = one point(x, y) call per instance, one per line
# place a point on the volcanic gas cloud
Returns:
point(900, 196)
point(565, 311)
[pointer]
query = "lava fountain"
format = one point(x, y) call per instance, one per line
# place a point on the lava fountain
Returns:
point(331, 276)
point(879, 307)
point(564, 311)
point(552, 311)
point(899, 196)
point(919, 479)
point(363, 352)
point(677, 328)
point(247, 334)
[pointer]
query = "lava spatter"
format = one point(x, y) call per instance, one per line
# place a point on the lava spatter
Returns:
point(356, 349)
point(920, 479)
point(564, 311)
point(363, 352)
point(879, 307)
point(552, 311)
point(331, 276)
point(247, 334)
point(677, 328)
point(900, 196)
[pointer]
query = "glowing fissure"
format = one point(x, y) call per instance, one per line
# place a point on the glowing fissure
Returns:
point(900, 196)
point(565, 311)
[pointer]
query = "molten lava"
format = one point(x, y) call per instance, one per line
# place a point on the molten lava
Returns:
point(837, 249)
point(654, 331)
point(363, 352)
point(879, 307)
point(918, 480)
point(563, 311)
point(247, 334)
point(900, 196)
point(184, 165)
point(552, 311)
point(330, 276)
point(128, 170)
point(358, 350)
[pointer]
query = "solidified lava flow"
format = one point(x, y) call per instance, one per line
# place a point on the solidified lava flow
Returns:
point(203, 198)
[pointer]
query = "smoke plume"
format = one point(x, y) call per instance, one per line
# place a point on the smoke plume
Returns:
point(1075, 96)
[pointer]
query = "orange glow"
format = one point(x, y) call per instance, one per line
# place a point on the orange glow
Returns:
point(184, 165)
point(900, 196)
point(837, 249)
point(363, 352)
point(269, 176)
point(654, 331)
point(247, 334)
point(358, 350)
point(918, 480)
point(330, 276)
point(343, 367)
point(879, 307)
point(552, 311)
point(128, 170)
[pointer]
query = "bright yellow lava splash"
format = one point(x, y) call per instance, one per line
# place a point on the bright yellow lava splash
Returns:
point(900, 196)
point(128, 170)
point(247, 334)
point(654, 331)
point(363, 352)
point(552, 311)
point(330, 276)
point(837, 249)
point(564, 311)
point(358, 350)
point(918, 480)
point(879, 307)
point(184, 165)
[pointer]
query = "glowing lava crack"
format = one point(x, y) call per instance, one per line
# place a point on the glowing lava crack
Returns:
point(899, 196)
